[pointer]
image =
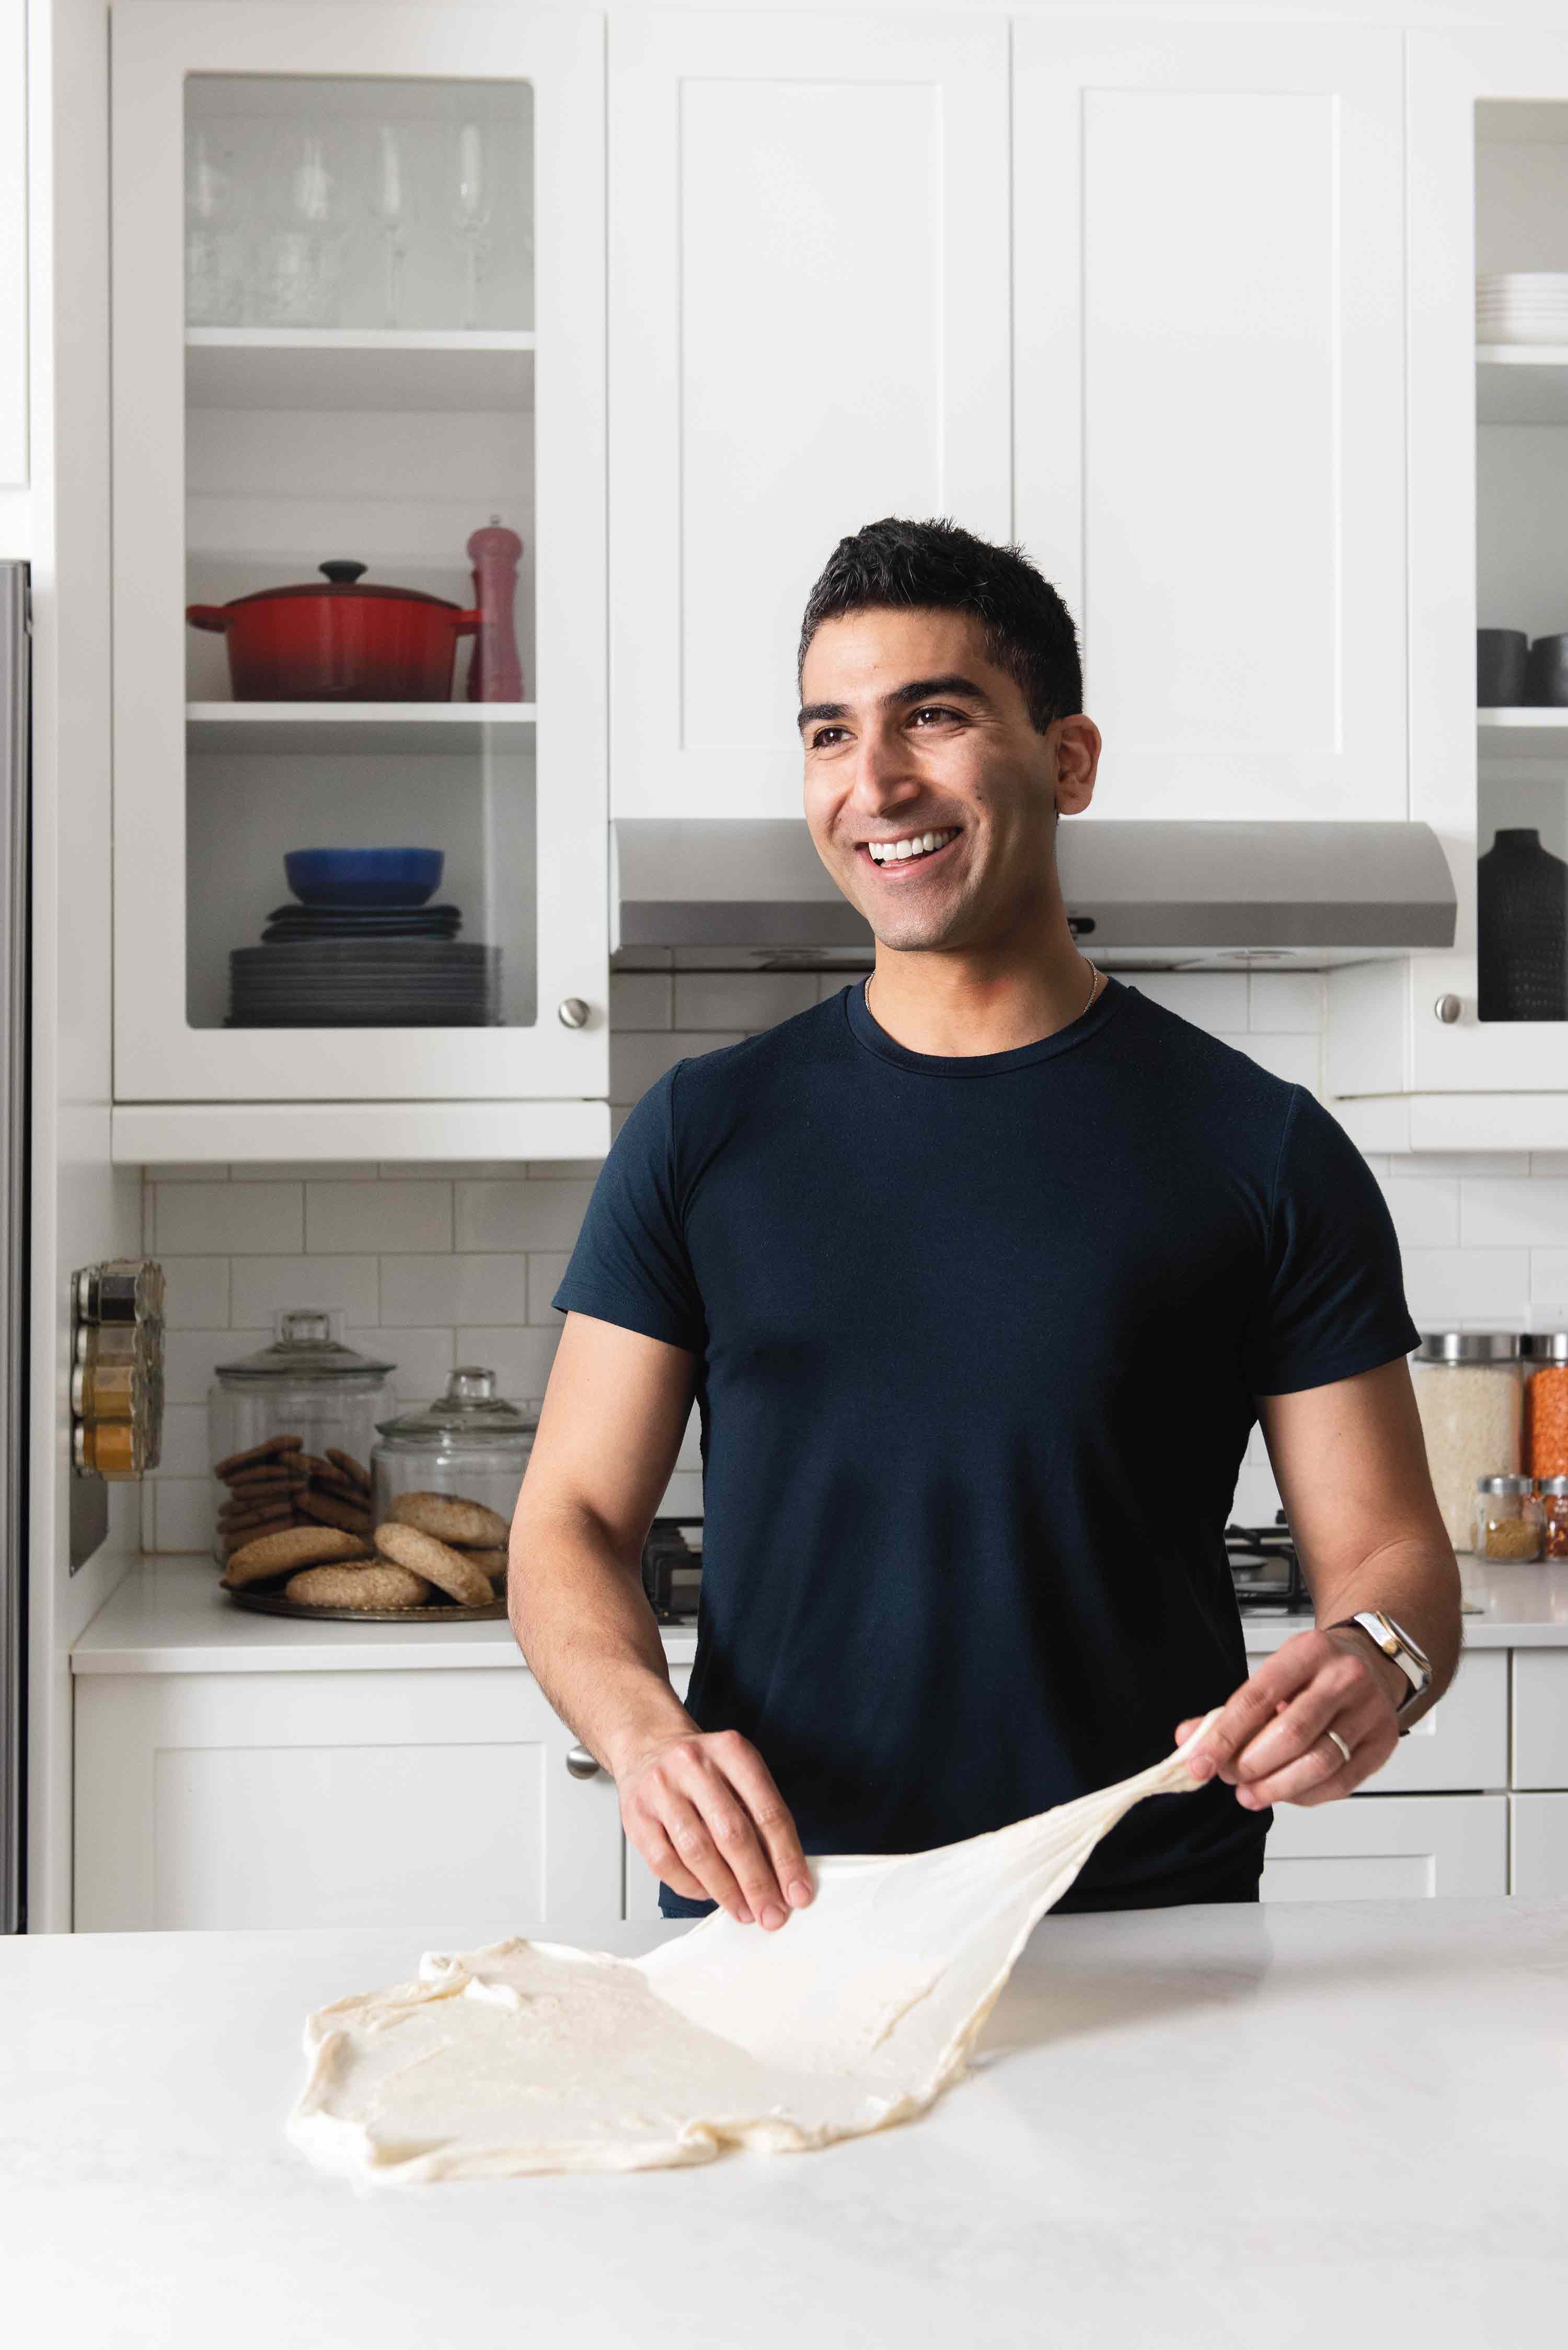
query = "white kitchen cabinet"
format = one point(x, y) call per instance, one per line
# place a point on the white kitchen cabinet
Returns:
point(1410, 1064)
point(808, 329)
point(1388, 1847)
point(1539, 1718)
point(286, 1799)
point(1209, 428)
point(1539, 1860)
point(1460, 1745)
point(295, 383)
point(13, 341)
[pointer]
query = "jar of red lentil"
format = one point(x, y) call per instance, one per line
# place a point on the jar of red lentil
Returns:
point(1553, 1493)
point(1544, 1353)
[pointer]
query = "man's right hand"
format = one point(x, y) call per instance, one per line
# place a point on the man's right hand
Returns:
point(702, 1810)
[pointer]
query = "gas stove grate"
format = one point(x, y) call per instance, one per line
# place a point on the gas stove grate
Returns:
point(1266, 1569)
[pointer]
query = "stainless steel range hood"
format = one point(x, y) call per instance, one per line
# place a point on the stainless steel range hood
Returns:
point(751, 894)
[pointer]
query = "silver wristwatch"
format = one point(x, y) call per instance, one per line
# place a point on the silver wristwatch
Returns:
point(1395, 1644)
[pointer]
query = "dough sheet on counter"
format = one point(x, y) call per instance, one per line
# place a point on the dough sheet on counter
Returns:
point(857, 2013)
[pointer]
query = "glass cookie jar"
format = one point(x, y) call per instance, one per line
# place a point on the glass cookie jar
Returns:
point(290, 1429)
point(471, 1446)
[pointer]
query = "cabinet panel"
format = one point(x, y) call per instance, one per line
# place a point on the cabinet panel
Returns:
point(1540, 1856)
point(1539, 1718)
point(13, 243)
point(808, 329)
point(1463, 1743)
point(1389, 1847)
point(329, 1799)
point(1175, 350)
point(361, 325)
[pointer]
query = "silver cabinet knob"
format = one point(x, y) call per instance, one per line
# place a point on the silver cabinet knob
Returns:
point(581, 1763)
point(1448, 1009)
point(574, 1011)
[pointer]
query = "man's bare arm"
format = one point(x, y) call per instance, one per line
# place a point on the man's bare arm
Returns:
point(702, 1809)
point(1351, 1465)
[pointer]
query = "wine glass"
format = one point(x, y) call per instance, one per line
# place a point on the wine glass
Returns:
point(300, 280)
point(390, 205)
point(472, 213)
point(215, 259)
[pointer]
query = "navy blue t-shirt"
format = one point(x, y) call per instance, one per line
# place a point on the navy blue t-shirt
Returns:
point(976, 1343)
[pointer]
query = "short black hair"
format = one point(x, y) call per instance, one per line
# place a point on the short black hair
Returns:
point(937, 567)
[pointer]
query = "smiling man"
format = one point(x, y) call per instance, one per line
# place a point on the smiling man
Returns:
point(980, 1272)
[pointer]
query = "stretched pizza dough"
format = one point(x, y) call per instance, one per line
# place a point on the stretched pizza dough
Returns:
point(530, 2056)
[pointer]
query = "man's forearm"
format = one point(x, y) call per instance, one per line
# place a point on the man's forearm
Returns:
point(591, 1639)
point(1417, 1582)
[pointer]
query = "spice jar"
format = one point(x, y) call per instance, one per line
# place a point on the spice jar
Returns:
point(472, 1445)
point(1468, 1392)
point(1544, 1355)
point(1509, 1522)
point(291, 1428)
point(1553, 1493)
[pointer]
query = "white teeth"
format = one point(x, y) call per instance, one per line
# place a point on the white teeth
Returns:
point(903, 849)
point(920, 844)
point(928, 840)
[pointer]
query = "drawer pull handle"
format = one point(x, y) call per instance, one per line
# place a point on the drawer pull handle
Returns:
point(581, 1763)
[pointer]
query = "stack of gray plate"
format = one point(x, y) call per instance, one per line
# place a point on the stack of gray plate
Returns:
point(365, 982)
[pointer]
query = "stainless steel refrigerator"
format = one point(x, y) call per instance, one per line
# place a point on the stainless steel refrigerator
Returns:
point(15, 1030)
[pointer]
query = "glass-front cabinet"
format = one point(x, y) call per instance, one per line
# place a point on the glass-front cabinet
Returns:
point(358, 545)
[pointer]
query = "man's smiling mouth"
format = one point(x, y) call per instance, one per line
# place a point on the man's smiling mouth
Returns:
point(893, 859)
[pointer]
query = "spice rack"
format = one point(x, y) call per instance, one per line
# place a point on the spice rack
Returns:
point(116, 1369)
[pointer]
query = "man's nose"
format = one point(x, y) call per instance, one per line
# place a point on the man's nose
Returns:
point(883, 776)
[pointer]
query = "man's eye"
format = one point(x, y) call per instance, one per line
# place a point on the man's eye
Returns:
point(824, 736)
point(934, 709)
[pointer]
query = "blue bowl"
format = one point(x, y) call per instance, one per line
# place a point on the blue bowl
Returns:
point(364, 876)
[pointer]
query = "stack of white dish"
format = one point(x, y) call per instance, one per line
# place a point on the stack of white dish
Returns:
point(1523, 305)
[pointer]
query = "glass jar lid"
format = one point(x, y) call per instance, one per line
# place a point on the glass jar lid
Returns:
point(1468, 1346)
point(307, 1346)
point(1505, 1484)
point(470, 1413)
point(1552, 1484)
point(1544, 1345)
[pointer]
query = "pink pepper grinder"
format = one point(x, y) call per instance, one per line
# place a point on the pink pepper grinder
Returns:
point(495, 672)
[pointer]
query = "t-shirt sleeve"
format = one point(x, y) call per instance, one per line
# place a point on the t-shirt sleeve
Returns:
point(631, 1265)
point(1333, 1294)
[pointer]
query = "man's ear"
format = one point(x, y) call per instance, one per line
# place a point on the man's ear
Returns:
point(1077, 763)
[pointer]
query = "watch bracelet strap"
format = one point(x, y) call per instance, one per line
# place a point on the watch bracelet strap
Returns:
point(1353, 1624)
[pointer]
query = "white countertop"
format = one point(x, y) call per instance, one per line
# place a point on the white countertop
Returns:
point(1294, 2125)
point(168, 1616)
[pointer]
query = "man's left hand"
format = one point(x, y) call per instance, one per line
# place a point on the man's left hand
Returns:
point(1271, 1743)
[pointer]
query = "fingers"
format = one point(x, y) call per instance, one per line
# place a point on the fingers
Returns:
point(1321, 1770)
point(693, 1800)
point(1270, 1741)
point(1333, 1689)
point(752, 1779)
point(1254, 1704)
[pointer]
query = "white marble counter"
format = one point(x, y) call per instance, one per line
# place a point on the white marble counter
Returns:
point(1208, 2129)
point(168, 1616)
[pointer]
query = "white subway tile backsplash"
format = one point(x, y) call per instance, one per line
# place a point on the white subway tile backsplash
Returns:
point(316, 1170)
point(556, 1170)
point(1548, 1280)
point(1215, 1000)
point(1425, 1166)
point(1281, 1001)
point(196, 1292)
point(1517, 1211)
point(382, 1215)
point(422, 1361)
point(521, 1358)
point(191, 1356)
point(520, 1215)
point(546, 1273)
point(1487, 1283)
point(731, 1000)
point(1294, 1058)
point(218, 1218)
point(183, 1452)
point(186, 1508)
point(638, 1061)
point(264, 1286)
point(1426, 1215)
point(641, 998)
point(427, 1290)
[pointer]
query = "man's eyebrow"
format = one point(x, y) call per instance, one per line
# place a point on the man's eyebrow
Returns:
point(952, 687)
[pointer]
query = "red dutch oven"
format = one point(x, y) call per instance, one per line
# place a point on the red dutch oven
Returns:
point(340, 641)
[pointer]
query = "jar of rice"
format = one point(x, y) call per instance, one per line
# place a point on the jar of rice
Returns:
point(1468, 1392)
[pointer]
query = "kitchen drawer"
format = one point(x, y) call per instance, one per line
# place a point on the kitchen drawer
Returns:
point(279, 1799)
point(1462, 1744)
point(1388, 1847)
point(1539, 1718)
point(1539, 1859)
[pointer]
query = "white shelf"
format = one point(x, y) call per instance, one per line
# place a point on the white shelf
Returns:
point(389, 368)
point(1539, 733)
point(1522, 383)
point(456, 728)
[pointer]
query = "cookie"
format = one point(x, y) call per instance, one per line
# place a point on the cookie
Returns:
point(353, 1517)
point(447, 1569)
point(267, 1556)
point(343, 1489)
point(449, 1518)
point(357, 1587)
point(257, 1480)
point(267, 1452)
point(230, 1520)
point(355, 1469)
point(494, 1562)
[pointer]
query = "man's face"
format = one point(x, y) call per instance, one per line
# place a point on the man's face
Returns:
point(908, 732)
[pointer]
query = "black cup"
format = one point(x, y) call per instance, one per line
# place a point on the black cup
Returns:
point(1546, 672)
point(1500, 656)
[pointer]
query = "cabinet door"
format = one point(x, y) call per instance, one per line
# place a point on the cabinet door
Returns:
point(360, 323)
point(1210, 424)
point(1539, 1718)
point(335, 1799)
point(1389, 1847)
point(808, 330)
point(1540, 1857)
point(13, 243)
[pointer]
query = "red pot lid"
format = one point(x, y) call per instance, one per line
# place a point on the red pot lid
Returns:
point(344, 579)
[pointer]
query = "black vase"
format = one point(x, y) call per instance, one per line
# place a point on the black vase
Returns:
point(1521, 929)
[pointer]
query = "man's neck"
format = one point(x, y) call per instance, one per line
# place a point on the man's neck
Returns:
point(959, 1007)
